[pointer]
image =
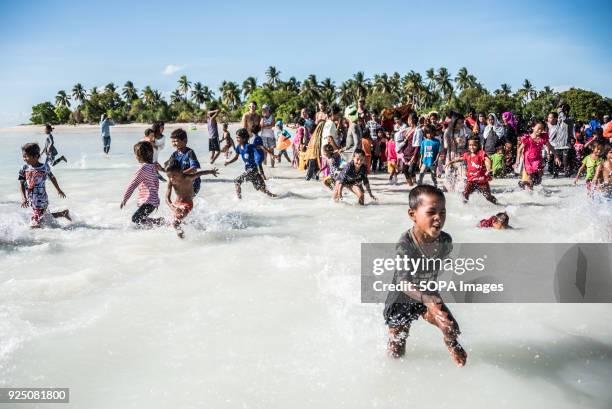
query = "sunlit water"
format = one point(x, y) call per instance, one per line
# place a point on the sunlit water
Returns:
point(259, 307)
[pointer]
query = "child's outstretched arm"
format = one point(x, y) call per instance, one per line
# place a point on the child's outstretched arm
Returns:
point(136, 180)
point(598, 174)
point(582, 167)
point(232, 160)
point(56, 185)
point(213, 171)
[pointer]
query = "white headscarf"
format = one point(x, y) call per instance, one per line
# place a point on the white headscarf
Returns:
point(497, 127)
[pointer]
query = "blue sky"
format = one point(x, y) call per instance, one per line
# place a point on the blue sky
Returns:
point(51, 45)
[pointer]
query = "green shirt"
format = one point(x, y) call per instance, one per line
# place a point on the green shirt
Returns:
point(498, 161)
point(591, 165)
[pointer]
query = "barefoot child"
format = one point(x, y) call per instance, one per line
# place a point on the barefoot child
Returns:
point(227, 140)
point(425, 239)
point(391, 161)
point(50, 150)
point(283, 141)
point(590, 163)
point(429, 151)
point(531, 149)
point(147, 182)
point(497, 222)
point(182, 184)
point(354, 176)
point(333, 159)
point(251, 170)
point(478, 171)
point(32, 178)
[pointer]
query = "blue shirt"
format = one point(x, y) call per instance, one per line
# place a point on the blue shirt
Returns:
point(593, 124)
point(247, 153)
point(188, 160)
point(429, 151)
point(105, 127)
point(259, 156)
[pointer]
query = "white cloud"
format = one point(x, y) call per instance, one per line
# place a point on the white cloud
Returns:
point(171, 69)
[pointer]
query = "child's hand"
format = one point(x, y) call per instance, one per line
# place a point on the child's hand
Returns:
point(61, 194)
point(373, 197)
point(214, 172)
point(558, 161)
point(575, 181)
point(24, 203)
point(225, 163)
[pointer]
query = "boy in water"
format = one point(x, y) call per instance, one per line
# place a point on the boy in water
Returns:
point(429, 151)
point(354, 176)
point(182, 183)
point(251, 171)
point(50, 150)
point(425, 239)
point(185, 156)
point(32, 178)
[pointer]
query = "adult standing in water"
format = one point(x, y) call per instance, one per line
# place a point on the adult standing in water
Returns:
point(267, 133)
point(105, 123)
point(251, 118)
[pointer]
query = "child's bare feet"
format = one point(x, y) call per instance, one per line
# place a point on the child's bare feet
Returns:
point(396, 347)
point(63, 213)
point(458, 354)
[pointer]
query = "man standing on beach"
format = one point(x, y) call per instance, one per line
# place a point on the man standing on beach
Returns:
point(251, 118)
point(105, 123)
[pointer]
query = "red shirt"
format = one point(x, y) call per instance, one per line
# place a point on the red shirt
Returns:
point(476, 167)
point(487, 222)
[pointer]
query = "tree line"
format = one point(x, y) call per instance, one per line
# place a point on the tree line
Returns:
point(190, 101)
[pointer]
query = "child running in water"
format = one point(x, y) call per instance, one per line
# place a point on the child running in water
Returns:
point(147, 182)
point(50, 150)
point(332, 166)
point(498, 222)
point(391, 161)
point(182, 184)
point(425, 239)
point(185, 156)
point(251, 171)
point(478, 171)
point(531, 146)
point(590, 163)
point(32, 178)
point(430, 150)
point(283, 141)
point(603, 181)
point(354, 176)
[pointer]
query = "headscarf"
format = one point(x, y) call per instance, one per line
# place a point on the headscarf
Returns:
point(510, 119)
point(497, 127)
point(314, 145)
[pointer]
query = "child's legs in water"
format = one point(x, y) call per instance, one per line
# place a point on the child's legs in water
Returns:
point(468, 189)
point(358, 191)
point(141, 216)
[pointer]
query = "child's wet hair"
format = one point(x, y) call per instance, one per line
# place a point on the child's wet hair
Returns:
point(329, 149)
point(173, 165)
point(179, 134)
point(149, 132)
point(429, 130)
point(31, 149)
point(255, 129)
point(414, 198)
point(475, 139)
point(144, 151)
point(225, 125)
point(242, 133)
point(503, 218)
point(359, 152)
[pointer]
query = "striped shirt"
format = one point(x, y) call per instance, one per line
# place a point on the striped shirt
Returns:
point(146, 179)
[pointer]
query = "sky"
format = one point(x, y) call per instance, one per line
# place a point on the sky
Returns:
point(47, 46)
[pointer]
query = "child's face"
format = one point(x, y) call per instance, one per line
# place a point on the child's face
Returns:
point(430, 215)
point(358, 159)
point(490, 121)
point(473, 146)
point(179, 143)
point(150, 138)
point(30, 160)
point(597, 151)
point(497, 224)
point(242, 140)
point(609, 155)
point(174, 176)
point(508, 147)
point(429, 135)
point(538, 129)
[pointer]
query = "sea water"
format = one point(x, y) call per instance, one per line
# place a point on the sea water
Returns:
point(259, 306)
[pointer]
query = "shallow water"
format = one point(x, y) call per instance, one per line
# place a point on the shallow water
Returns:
point(260, 307)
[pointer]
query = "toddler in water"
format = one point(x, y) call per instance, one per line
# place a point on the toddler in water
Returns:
point(227, 139)
point(32, 178)
point(147, 182)
point(182, 184)
point(497, 222)
point(425, 239)
point(478, 171)
point(590, 163)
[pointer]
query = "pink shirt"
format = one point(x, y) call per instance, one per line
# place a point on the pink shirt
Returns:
point(533, 152)
point(146, 180)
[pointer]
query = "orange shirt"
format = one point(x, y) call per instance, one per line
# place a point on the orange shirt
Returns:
point(366, 145)
point(608, 130)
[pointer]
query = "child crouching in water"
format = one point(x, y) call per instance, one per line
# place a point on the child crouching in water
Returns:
point(354, 176)
point(182, 184)
point(497, 222)
point(147, 182)
point(32, 178)
point(425, 239)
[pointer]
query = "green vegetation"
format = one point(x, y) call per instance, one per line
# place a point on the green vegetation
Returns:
point(189, 102)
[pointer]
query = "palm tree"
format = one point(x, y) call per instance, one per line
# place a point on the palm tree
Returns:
point(291, 85)
point(230, 94)
point(248, 86)
point(395, 81)
point(157, 97)
point(413, 83)
point(528, 91)
point(547, 91)
point(78, 93)
point(176, 96)
point(197, 93)
point(93, 92)
point(347, 92)
point(464, 80)
point(504, 90)
point(310, 89)
point(184, 85)
point(129, 92)
point(360, 83)
point(110, 88)
point(328, 91)
point(148, 95)
point(273, 76)
point(431, 78)
point(382, 83)
point(62, 99)
point(443, 83)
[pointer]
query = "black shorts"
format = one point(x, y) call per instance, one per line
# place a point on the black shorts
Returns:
point(401, 315)
point(213, 145)
point(143, 212)
point(411, 170)
point(253, 176)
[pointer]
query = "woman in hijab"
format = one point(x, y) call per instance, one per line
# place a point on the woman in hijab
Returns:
point(511, 128)
point(493, 134)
